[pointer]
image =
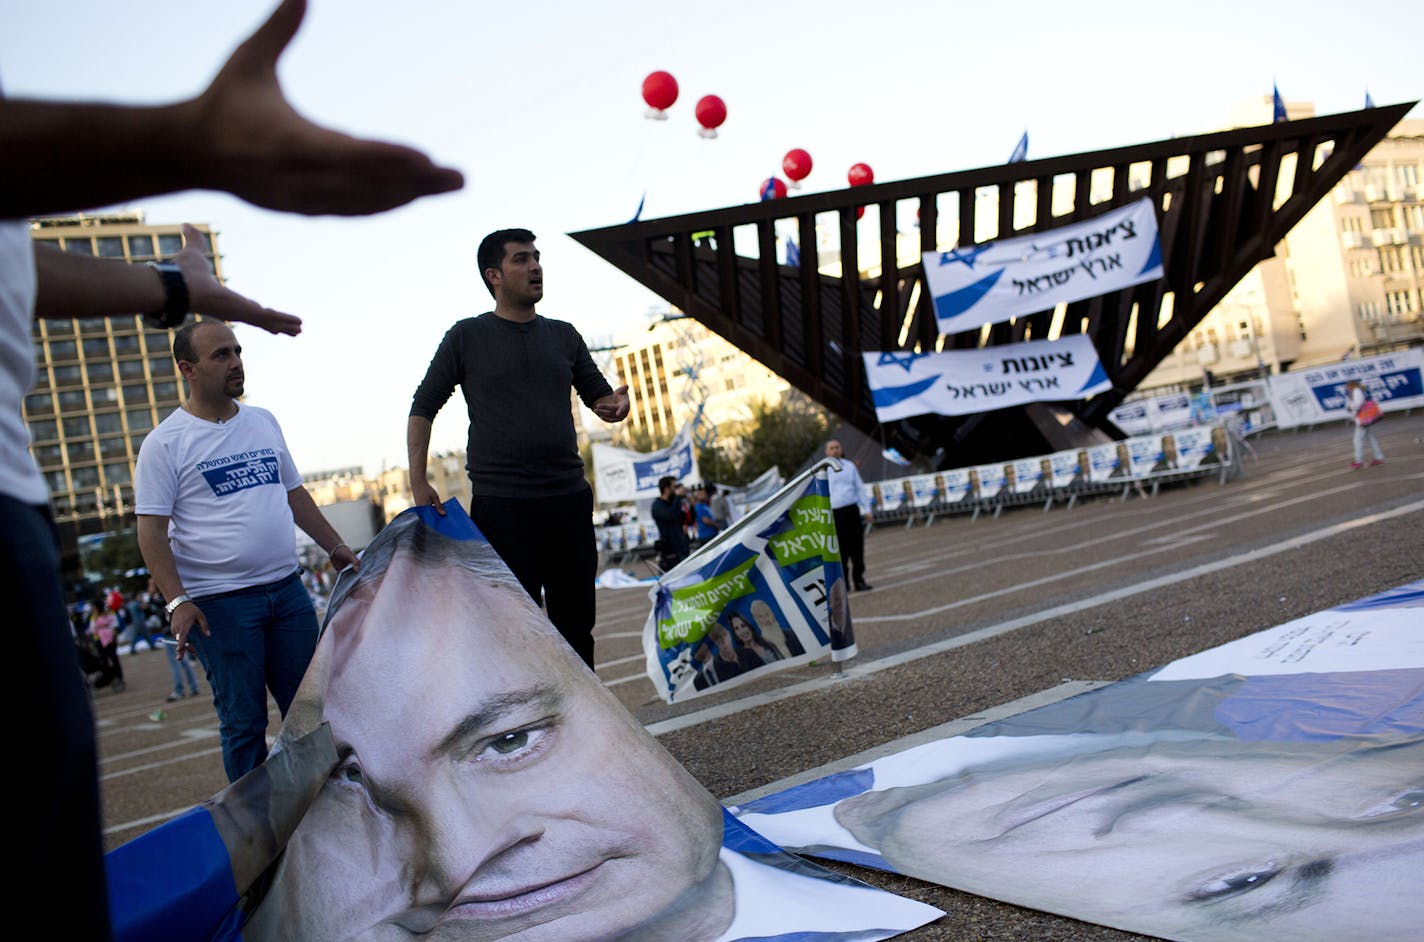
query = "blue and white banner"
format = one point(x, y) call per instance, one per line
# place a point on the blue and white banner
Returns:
point(985, 284)
point(962, 382)
point(765, 594)
point(1317, 394)
point(622, 476)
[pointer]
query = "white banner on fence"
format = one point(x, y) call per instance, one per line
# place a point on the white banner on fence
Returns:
point(1317, 394)
point(623, 476)
point(985, 284)
point(961, 382)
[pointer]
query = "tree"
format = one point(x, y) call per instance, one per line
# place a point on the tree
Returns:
point(782, 433)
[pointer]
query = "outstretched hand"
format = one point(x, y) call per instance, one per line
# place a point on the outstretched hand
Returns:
point(209, 297)
point(614, 406)
point(263, 151)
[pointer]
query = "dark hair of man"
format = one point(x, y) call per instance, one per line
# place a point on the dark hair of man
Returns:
point(183, 342)
point(491, 252)
point(665, 481)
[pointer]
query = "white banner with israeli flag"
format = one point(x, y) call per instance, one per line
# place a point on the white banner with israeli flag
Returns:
point(985, 284)
point(961, 382)
point(623, 477)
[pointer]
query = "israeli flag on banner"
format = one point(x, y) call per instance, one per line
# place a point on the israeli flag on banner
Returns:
point(962, 382)
point(1278, 107)
point(1020, 153)
point(985, 284)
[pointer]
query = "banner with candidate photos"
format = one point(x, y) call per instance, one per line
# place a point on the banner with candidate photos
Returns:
point(961, 382)
point(1268, 788)
point(1317, 394)
point(765, 594)
point(623, 477)
point(438, 687)
point(989, 283)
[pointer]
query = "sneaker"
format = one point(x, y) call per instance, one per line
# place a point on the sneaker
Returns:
point(1376, 461)
point(175, 695)
point(1356, 465)
point(863, 587)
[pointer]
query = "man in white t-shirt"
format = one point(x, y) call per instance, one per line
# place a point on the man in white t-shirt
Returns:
point(216, 493)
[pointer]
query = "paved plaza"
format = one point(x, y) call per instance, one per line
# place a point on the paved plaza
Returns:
point(969, 619)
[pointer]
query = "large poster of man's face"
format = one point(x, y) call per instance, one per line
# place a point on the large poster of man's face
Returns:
point(487, 786)
point(1269, 789)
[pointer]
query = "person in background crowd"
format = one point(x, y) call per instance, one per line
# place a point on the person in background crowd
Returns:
point(1356, 397)
point(721, 506)
point(672, 545)
point(850, 505)
point(707, 526)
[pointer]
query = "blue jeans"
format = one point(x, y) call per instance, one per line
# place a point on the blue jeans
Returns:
point(182, 671)
point(262, 638)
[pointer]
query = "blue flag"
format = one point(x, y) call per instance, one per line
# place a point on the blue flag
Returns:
point(1369, 102)
point(639, 214)
point(793, 253)
point(1278, 107)
point(1020, 150)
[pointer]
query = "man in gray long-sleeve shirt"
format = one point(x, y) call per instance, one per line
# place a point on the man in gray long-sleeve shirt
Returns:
point(515, 369)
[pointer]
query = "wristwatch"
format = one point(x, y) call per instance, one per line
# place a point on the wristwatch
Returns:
point(172, 606)
point(175, 298)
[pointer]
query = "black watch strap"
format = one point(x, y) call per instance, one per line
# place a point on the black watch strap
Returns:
point(175, 297)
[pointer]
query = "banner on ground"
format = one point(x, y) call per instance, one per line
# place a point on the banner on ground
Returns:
point(1317, 394)
point(765, 594)
point(1266, 788)
point(442, 721)
point(985, 284)
point(961, 382)
point(622, 476)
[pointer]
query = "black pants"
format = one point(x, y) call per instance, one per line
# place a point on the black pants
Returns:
point(850, 531)
point(57, 836)
point(547, 542)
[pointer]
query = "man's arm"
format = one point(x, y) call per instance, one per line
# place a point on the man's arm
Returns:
point(163, 569)
point(309, 517)
point(614, 406)
point(71, 285)
point(417, 448)
point(240, 135)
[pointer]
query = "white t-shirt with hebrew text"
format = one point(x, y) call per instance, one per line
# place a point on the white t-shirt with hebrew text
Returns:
point(223, 486)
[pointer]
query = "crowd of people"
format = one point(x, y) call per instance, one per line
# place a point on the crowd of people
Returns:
point(685, 517)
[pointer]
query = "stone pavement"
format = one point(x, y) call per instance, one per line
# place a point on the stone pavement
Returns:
point(967, 616)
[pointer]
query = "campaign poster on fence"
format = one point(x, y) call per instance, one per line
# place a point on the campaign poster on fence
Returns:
point(451, 769)
point(985, 284)
point(1108, 462)
point(1317, 394)
point(623, 477)
point(1265, 789)
point(1028, 477)
point(1197, 446)
point(765, 594)
point(1070, 469)
point(961, 382)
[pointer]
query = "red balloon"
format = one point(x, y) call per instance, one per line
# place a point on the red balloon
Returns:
point(860, 175)
point(797, 164)
point(711, 112)
point(859, 212)
point(773, 189)
point(659, 91)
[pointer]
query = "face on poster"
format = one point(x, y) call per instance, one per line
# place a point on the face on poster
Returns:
point(1187, 839)
point(487, 786)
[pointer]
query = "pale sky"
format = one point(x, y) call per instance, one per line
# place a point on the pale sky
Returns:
point(539, 105)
